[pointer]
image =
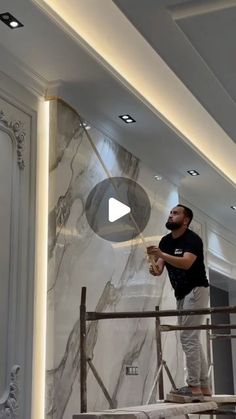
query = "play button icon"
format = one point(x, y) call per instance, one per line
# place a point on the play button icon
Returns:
point(117, 209)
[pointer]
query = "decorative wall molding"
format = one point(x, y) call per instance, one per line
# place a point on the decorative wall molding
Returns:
point(17, 128)
point(221, 253)
point(18, 121)
point(197, 227)
point(10, 403)
point(217, 263)
point(219, 244)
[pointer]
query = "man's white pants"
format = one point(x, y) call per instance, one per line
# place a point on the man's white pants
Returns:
point(190, 339)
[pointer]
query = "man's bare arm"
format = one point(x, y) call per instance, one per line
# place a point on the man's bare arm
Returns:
point(160, 264)
point(185, 262)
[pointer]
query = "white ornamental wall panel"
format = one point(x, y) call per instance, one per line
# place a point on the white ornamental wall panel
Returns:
point(221, 252)
point(5, 227)
point(11, 135)
point(17, 197)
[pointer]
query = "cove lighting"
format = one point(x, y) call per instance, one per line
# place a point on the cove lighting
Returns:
point(10, 20)
point(193, 172)
point(127, 119)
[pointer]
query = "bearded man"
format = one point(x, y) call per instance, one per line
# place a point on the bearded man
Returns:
point(181, 252)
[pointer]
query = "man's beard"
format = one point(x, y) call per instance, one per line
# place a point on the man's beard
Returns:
point(173, 226)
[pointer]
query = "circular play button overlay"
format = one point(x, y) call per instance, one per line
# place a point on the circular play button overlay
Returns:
point(118, 209)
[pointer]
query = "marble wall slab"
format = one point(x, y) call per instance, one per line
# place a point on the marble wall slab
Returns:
point(115, 274)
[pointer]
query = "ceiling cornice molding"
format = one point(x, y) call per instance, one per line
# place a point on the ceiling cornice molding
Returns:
point(21, 73)
point(54, 88)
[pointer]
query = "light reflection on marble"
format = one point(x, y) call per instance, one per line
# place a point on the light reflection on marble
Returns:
point(116, 277)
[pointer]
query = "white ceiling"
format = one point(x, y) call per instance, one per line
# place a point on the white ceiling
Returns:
point(196, 39)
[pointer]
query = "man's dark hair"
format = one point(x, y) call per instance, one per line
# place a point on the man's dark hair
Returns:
point(187, 212)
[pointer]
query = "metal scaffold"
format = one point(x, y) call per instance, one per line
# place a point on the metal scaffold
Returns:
point(90, 316)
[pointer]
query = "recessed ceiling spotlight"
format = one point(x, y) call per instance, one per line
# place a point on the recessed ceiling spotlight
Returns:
point(233, 207)
point(10, 20)
point(14, 24)
point(193, 172)
point(127, 118)
point(157, 177)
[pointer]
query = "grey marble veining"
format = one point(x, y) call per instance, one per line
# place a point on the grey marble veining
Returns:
point(116, 276)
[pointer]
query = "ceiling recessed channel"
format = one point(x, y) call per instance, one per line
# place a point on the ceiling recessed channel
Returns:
point(10, 20)
point(193, 172)
point(127, 119)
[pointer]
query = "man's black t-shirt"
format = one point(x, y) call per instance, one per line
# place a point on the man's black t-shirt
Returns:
point(182, 280)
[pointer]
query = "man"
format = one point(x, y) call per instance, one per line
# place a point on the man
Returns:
point(181, 251)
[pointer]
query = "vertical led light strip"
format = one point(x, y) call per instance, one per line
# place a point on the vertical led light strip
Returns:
point(40, 295)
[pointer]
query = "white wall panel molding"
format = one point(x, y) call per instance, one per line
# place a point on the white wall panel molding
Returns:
point(9, 405)
point(220, 243)
point(217, 263)
point(17, 129)
point(221, 252)
point(198, 223)
point(17, 225)
point(221, 249)
point(9, 227)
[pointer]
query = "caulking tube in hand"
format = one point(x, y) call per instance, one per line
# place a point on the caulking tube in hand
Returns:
point(152, 262)
point(152, 259)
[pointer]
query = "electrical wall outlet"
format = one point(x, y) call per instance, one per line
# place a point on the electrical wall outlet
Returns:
point(131, 370)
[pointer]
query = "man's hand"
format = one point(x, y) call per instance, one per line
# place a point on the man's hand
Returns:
point(184, 262)
point(154, 251)
point(157, 263)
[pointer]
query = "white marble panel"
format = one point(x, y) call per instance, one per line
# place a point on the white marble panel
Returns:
point(115, 274)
